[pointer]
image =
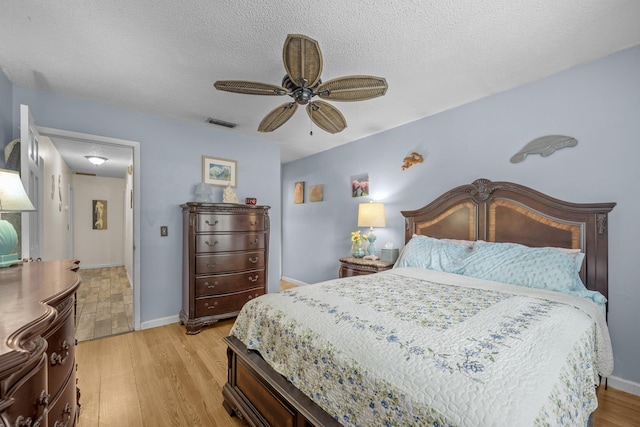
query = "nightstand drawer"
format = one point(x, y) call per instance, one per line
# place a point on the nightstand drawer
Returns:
point(223, 263)
point(224, 283)
point(220, 222)
point(350, 266)
point(228, 303)
point(229, 242)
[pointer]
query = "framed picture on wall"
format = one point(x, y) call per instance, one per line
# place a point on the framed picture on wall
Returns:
point(360, 185)
point(298, 192)
point(99, 214)
point(316, 193)
point(220, 172)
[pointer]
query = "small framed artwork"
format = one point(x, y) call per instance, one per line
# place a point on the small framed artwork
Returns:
point(315, 193)
point(220, 172)
point(298, 193)
point(360, 185)
point(99, 214)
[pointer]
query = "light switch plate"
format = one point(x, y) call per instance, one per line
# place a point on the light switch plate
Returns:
point(164, 231)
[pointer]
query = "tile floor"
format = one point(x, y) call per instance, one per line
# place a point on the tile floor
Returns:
point(104, 303)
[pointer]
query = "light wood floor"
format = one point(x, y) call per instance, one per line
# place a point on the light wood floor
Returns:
point(163, 377)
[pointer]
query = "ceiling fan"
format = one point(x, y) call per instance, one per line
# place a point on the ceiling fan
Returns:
point(303, 63)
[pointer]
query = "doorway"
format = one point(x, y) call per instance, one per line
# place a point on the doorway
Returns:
point(74, 148)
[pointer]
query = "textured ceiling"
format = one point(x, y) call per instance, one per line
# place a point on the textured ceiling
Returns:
point(163, 57)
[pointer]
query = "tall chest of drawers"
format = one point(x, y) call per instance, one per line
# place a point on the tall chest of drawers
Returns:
point(225, 260)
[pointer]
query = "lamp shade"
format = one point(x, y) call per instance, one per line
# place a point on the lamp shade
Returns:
point(371, 215)
point(13, 198)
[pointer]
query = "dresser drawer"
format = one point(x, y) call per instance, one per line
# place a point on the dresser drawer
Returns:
point(225, 283)
point(63, 411)
point(220, 222)
point(30, 398)
point(222, 263)
point(229, 242)
point(61, 351)
point(225, 304)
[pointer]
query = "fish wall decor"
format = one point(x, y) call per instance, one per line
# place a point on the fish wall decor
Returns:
point(545, 146)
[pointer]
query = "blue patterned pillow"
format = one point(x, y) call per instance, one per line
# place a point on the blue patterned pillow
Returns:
point(433, 254)
point(543, 268)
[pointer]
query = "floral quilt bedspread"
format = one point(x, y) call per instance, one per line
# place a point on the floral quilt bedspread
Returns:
point(414, 347)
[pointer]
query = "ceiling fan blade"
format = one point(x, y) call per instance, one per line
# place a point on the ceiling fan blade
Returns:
point(302, 60)
point(249, 88)
point(326, 116)
point(352, 88)
point(277, 117)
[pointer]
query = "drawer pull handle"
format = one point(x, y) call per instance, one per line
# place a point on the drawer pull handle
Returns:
point(58, 359)
point(254, 242)
point(211, 224)
point(210, 286)
point(210, 244)
point(253, 223)
point(254, 296)
point(254, 260)
point(66, 413)
point(28, 422)
point(212, 306)
point(43, 401)
point(253, 279)
point(211, 265)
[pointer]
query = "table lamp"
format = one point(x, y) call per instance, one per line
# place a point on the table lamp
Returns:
point(12, 199)
point(371, 215)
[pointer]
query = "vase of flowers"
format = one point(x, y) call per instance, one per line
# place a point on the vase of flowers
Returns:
point(357, 244)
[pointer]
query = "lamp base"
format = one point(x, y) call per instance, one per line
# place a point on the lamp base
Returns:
point(9, 260)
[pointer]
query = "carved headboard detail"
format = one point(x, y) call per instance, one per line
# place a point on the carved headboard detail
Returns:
point(508, 212)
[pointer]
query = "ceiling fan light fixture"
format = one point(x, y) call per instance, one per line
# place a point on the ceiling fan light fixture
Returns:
point(303, 65)
point(96, 160)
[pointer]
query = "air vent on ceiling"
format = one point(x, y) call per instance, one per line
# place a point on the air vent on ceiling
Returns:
point(213, 121)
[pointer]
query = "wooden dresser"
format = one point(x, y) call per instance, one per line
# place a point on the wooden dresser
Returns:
point(225, 258)
point(37, 346)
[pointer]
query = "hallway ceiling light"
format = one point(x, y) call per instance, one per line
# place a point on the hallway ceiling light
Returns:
point(96, 160)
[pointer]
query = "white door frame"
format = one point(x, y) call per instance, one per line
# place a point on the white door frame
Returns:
point(136, 201)
point(32, 174)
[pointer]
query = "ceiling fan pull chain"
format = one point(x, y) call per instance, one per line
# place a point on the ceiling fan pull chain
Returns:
point(310, 128)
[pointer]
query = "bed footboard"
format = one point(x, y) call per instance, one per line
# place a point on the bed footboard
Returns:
point(256, 393)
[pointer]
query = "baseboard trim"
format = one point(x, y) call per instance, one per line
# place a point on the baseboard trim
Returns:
point(160, 322)
point(86, 267)
point(294, 281)
point(624, 385)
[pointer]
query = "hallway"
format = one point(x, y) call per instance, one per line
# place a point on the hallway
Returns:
point(104, 303)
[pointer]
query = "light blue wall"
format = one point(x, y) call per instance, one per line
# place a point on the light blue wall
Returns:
point(6, 131)
point(597, 103)
point(171, 166)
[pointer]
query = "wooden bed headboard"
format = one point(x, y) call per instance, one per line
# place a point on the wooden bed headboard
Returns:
point(508, 212)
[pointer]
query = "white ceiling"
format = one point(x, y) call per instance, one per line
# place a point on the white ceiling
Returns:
point(74, 152)
point(163, 57)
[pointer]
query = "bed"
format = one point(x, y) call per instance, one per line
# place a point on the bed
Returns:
point(445, 337)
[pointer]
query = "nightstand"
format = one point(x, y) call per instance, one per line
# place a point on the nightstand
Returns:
point(351, 266)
